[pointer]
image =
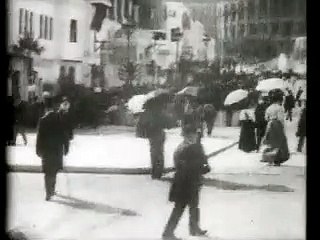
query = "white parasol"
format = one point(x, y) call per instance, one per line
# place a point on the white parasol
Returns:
point(235, 96)
point(135, 104)
point(192, 91)
point(270, 84)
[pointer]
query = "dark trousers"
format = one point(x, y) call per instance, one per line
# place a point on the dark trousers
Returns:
point(194, 217)
point(261, 130)
point(209, 124)
point(289, 114)
point(50, 179)
point(19, 129)
point(157, 158)
point(301, 143)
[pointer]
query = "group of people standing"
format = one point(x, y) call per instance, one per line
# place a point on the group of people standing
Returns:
point(265, 125)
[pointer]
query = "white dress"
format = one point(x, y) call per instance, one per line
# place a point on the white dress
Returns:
point(275, 111)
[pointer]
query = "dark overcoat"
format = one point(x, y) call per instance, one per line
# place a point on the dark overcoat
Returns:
point(52, 142)
point(190, 163)
point(302, 124)
point(276, 139)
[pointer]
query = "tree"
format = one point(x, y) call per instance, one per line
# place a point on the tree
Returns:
point(129, 72)
point(27, 45)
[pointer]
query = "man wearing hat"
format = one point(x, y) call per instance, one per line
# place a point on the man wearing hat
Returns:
point(52, 143)
point(190, 164)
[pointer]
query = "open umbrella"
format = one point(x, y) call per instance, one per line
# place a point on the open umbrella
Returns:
point(135, 104)
point(156, 97)
point(192, 91)
point(235, 97)
point(270, 84)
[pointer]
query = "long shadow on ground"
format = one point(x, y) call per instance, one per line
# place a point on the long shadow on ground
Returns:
point(97, 207)
point(227, 185)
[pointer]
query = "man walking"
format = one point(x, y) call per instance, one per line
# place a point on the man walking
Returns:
point(301, 133)
point(52, 143)
point(209, 117)
point(289, 105)
point(261, 122)
point(19, 115)
point(298, 96)
point(190, 164)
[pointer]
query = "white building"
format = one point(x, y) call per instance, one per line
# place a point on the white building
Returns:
point(62, 27)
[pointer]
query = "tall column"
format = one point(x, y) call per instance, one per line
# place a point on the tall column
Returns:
point(115, 9)
point(130, 8)
point(123, 2)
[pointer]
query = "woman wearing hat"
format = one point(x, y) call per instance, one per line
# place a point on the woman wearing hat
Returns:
point(275, 137)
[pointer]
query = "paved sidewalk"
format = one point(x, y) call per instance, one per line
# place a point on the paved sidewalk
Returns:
point(114, 152)
point(135, 207)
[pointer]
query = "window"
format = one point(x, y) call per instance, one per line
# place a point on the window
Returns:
point(21, 21)
point(51, 29)
point(46, 27)
point(287, 28)
point(26, 21)
point(263, 7)
point(41, 26)
point(252, 29)
point(251, 9)
point(241, 30)
point(73, 30)
point(241, 10)
point(31, 23)
point(274, 28)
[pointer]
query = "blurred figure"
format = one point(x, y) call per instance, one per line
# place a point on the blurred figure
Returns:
point(19, 127)
point(275, 137)
point(301, 131)
point(299, 93)
point(289, 105)
point(209, 117)
point(261, 123)
point(193, 114)
point(153, 122)
point(51, 144)
point(190, 164)
point(65, 117)
point(247, 141)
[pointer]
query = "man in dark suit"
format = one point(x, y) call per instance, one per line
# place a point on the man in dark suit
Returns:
point(190, 164)
point(289, 105)
point(301, 132)
point(52, 143)
point(261, 123)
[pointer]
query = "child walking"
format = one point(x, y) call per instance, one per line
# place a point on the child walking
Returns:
point(190, 164)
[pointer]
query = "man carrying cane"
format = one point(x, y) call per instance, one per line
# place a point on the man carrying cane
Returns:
point(52, 143)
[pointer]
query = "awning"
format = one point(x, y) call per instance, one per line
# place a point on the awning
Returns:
point(104, 2)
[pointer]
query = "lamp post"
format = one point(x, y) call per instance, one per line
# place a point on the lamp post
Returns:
point(129, 27)
point(206, 40)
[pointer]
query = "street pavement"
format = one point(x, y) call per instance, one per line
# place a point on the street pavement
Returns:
point(116, 149)
point(135, 207)
point(242, 198)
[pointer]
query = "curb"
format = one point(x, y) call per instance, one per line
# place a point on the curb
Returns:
point(95, 170)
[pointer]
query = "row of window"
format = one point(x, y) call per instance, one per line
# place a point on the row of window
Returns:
point(277, 8)
point(287, 29)
point(26, 20)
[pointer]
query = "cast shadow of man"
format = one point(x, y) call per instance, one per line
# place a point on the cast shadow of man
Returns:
point(76, 203)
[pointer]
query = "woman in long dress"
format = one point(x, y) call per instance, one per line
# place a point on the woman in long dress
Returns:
point(275, 137)
point(247, 142)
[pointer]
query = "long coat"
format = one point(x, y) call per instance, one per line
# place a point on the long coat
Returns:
point(302, 124)
point(190, 163)
point(275, 137)
point(52, 142)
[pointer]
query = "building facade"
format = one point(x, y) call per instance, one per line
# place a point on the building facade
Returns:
point(63, 29)
point(276, 23)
